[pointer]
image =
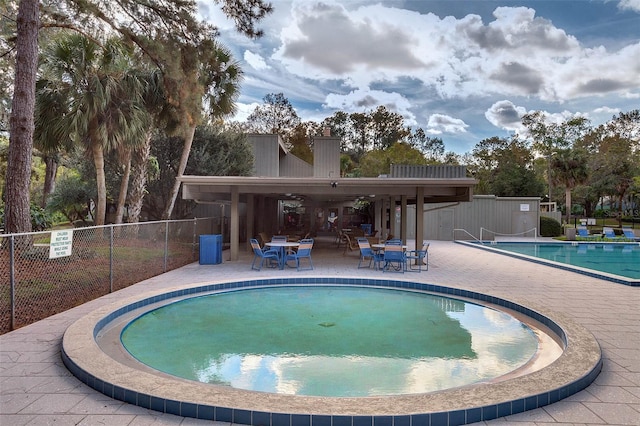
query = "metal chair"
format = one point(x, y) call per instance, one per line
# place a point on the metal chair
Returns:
point(304, 252)
point(366, 252)
point(421, 257)
point(394, 258)
point(270, 255)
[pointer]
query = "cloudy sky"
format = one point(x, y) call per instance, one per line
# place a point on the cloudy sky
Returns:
point(461, 70)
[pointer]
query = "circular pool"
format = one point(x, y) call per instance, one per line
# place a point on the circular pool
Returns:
point(92, 351)
point(332, 341)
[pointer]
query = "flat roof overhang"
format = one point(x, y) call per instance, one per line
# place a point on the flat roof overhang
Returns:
point(215, 188)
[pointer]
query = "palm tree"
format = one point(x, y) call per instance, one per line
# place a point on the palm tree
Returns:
point(155, 103)
point(208, 69)
point(569, 168)
point(97, 99)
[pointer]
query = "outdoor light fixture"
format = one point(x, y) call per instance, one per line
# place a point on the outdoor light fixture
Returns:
point(334, 184)
point(288, 194)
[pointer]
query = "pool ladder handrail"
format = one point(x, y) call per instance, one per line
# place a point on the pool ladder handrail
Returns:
point(535, 233)
point(466, 232)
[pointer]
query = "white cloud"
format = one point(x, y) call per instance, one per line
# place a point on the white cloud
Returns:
point(516, 54)
point(354, 55)
point(256, 61)
point(505, 115)
point(606, 110)
point(629, 5)
point(441, 123)
point(244, 110)
point(213, 13)
point(362, 100)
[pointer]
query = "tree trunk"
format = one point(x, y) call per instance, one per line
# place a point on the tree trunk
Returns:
point(140, 159)
point(124, 187)
point(188, 140)
point(17, 211)
point(51, 171)
point(101, 205)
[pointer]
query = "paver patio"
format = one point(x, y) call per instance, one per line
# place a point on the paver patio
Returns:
point(36, 389)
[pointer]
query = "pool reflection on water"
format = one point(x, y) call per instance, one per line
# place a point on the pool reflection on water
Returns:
point(331, 341)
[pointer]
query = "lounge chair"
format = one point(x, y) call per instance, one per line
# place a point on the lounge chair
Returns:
point(394, 258)
point(367, 253)
point(304, 252)
point(583, 233)
point(272, 256)
point(421, 257)
point(610, 234)
point(629, 234)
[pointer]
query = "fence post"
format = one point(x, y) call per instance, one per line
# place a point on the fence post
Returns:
point(12, 282)
point(111, 259)
point(166, 245)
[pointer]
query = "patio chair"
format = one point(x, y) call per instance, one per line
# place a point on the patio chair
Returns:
point(610, 234)
point(263, 238)
point(304, 252)
point(394, 258)
point(349, 244)
point(367, 253)
point(420, 257)
point(583, 233)
point(629, 234)
point(272, 256)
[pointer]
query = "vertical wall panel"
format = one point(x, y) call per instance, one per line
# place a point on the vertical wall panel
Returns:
point(326, 157)
point(266, 151)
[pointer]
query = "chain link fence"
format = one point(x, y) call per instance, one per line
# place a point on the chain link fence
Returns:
point(37, 282)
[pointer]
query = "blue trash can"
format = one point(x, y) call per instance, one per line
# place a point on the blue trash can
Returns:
point(210, 249)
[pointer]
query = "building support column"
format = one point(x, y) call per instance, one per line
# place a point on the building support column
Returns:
point(250, 220)
point(419, 217)
point(403, 219)
point(234, 232)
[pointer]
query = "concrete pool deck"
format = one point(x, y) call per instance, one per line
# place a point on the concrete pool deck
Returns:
point(35, 388)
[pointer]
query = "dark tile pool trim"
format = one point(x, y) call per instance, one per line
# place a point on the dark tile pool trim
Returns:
point(494, 247)
point(74, 356)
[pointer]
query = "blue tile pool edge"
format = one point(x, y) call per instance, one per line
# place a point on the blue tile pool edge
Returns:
point(229, 414)
point(494, 247)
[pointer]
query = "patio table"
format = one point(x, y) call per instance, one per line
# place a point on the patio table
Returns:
point(281, 245)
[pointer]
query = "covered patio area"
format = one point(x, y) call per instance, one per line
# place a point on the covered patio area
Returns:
point(258, 199)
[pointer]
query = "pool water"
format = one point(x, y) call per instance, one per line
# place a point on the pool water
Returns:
point(613, 258)
point(330, 341)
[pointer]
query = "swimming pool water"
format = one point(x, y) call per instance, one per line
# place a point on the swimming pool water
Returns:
point(330, 341)
point(613, 258)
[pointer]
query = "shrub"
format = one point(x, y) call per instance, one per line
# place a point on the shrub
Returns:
point(550, 227)
point(40, 220)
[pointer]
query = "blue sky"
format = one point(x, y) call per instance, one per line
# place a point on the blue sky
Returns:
point(461, 70)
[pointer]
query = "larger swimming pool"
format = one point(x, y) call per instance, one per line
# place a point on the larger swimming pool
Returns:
point(618, 262)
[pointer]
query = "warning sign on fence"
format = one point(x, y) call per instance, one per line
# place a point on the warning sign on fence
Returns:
point(60, 245)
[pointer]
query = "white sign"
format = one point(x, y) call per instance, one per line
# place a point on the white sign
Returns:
point(60, 245)
point(524, 207)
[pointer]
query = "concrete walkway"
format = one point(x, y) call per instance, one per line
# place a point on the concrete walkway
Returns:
point(36, 389)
